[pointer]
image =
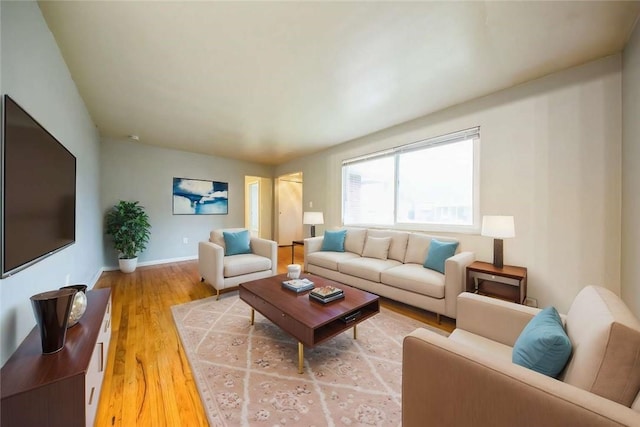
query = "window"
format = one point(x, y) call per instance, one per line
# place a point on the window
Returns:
point(429, 184)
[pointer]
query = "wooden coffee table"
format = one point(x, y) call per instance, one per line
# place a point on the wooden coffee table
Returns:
point(308, 321)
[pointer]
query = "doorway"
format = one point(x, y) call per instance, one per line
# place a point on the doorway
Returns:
point(258, 206)
point(289, 204)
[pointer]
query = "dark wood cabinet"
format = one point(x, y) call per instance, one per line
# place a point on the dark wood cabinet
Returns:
point(508, 282)
point(63, 388)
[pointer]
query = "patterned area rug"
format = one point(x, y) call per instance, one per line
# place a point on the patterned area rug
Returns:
point(248, 375)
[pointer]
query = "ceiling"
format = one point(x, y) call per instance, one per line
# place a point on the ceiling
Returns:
point(271, 81)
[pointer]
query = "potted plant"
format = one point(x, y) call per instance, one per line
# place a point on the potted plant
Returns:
point(128, 224)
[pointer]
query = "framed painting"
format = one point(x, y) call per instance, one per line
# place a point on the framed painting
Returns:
point(200, 197)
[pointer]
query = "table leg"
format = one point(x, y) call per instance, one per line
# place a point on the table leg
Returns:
point(355, 332)
point(300, 358)
point(253, 312)
point(293, 249)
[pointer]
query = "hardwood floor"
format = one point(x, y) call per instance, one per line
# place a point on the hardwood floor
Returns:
point(148, 381)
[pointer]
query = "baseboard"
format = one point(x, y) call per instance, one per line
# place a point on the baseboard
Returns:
point(168, 260)
point(155, 262)
point(95, 278)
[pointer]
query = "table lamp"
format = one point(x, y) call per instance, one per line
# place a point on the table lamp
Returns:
point(313, 219)
point(499, 227)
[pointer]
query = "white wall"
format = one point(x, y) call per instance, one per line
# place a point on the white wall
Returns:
point(631, 172)
point(550, 156)
point(135, 171)
point(35, 75)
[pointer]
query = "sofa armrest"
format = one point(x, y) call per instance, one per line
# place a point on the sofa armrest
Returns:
point(449, 384)
point(455, 269)
point(497, 320)
point(311, 245)
point(211, 263)
point(266, 248)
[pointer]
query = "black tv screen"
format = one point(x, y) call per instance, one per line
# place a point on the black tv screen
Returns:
point(38, 191)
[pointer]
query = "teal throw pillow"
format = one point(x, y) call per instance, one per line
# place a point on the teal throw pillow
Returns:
point(334, 241)
point(543, 345)
point(438, 254)
point(237, 242)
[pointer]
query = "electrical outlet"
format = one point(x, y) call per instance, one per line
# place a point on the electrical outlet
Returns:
point(185, 240)
point(531, 302)
point(310, 204)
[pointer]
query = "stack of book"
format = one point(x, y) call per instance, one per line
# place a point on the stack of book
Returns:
point(298, 285)
point(326, 294)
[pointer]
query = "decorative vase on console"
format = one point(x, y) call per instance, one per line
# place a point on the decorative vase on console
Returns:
point(79, 305)
point(51, 310)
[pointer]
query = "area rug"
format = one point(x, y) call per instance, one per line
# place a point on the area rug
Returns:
point(248, 375)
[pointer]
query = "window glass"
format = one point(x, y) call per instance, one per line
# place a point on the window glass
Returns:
point(430, 183)
point(368, 191)
point(435, 185)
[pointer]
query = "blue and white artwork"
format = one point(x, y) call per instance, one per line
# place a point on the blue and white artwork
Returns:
point(200, 197)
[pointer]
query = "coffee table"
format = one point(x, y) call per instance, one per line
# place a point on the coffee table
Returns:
point(308, 321)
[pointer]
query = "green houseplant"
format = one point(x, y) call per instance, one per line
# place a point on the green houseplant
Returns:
point(128, 224)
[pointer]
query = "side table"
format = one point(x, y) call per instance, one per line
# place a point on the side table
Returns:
point(508, 282)
point(293, 246)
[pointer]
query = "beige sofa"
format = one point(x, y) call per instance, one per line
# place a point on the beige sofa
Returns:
point(468, 379)
point(400, 275)
point(224, 272)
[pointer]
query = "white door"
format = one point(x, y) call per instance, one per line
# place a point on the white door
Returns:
point(254, 208)
point(289, 209)
point(258, 206)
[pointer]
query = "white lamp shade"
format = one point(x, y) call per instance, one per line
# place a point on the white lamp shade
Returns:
point(498, 226)
point(313, 218)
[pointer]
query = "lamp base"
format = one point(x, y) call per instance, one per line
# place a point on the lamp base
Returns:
point(497, 253)
point(313, 231)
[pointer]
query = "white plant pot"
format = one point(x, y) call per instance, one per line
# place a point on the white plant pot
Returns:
point(128, 265)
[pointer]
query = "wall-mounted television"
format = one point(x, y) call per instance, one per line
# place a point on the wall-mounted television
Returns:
point(38, 191)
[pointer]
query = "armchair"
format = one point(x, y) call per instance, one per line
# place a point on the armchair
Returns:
point(224, 272)
point(468, 379)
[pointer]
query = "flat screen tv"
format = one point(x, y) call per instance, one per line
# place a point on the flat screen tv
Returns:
point(38, 191)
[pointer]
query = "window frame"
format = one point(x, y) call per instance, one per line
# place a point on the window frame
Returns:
point(450, 138)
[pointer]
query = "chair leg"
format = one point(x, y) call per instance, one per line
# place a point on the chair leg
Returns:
point(438, 318)
point(217, 294)
point(202, 279)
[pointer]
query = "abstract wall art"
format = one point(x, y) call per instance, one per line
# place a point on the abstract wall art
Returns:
point(200, 197)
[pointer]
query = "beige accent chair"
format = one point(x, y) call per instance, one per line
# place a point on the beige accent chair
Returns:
point(468, 379)
point(224, 272)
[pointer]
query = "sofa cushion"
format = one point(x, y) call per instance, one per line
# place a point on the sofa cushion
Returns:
point(366, 268)
point(415, 278)
point(417, 248)
point(217, 237)
point(334, 240)
point(398, 246)
point(438, 254)
point(329, 260)
point(377, 247)
point(237, 265)
point(606, 341)
point(354, 240)
point(237, 242)
point(543, 345)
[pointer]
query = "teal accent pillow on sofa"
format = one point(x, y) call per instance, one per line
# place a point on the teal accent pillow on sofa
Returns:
point(237, 242)
point(438, 254)
point(334, 241)
point(543, 345)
